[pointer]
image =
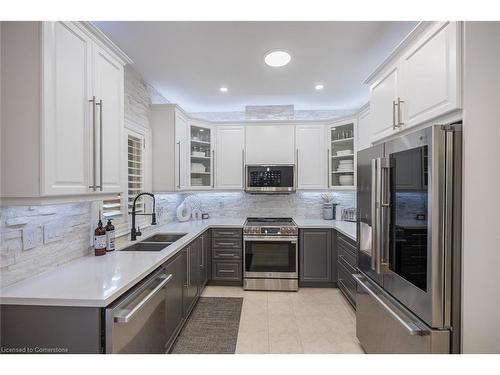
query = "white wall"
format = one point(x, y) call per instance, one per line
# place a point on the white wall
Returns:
point(481, 232)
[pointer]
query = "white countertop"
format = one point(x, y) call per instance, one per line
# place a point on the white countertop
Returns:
point(97, 281)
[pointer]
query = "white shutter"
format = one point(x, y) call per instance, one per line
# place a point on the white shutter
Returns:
point(135, 171)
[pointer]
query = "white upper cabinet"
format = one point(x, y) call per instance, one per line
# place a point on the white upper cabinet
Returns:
point(181, 152)
point(311, 157)
point(67, 90)
point(270, 144)
point(108, 90)
point(169, 148)
point(383, 99)
point(419, 82)
point(430, 73)
point(201, 153)
point(364, 125)
point(229, 157)
point(73, 112)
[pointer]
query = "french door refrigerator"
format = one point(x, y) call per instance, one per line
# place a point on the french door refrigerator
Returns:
point(409, 243)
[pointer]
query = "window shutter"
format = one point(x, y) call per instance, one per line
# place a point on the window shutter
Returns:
point(135, 171)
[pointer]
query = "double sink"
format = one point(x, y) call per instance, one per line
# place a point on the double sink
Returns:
point(156, 242)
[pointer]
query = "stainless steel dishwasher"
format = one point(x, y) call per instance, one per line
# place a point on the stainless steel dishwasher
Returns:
point(136, 323)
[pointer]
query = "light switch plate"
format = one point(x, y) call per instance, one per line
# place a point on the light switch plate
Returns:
point(30, 238)
point(52, 232)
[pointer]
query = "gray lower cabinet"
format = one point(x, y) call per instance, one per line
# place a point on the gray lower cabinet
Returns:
point(315, 253)
point(191, 288)
point(227, 256)
point(346, 263)
point(174, 304)
point(205, 259)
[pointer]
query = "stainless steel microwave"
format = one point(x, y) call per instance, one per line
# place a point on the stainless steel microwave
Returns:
point(270, 178)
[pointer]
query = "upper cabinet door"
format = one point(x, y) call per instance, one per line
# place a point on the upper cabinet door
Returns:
point(67, 111)
point(229, 157)
point(364, 130)
point(431, 80)
point(383, 94)
point(311, 157)
point(108, 89)
point(181, 152)
point(201, 157)
point(270, 144)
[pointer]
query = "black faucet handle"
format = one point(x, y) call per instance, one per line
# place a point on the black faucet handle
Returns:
point(138, 232)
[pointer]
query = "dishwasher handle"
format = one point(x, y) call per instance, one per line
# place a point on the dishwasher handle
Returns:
point(125, 316)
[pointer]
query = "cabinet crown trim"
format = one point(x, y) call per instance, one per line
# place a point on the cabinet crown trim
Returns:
point(400, 48)
point(101, 37)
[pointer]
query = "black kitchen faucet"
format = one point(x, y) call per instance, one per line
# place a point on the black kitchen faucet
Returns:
point(137, 232)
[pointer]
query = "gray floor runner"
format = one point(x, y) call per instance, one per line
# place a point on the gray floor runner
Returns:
point(212, 327)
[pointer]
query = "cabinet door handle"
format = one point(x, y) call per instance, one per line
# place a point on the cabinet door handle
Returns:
point(400, 122)
point(179, 164)
point(213, 169)
point(394, 104)
point(100, 104)
point(243, 177)
point(328, 168)
point(297, 169)
point(94, 160)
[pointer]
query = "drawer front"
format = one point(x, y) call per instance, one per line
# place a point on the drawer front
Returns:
point(226, 253)
point(347, 259)
point(347, 244)
point(346, 281)
point(227, 233)
point(229, 271)
point(226, 243)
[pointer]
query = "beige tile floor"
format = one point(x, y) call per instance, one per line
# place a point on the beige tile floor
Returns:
point(308, 321)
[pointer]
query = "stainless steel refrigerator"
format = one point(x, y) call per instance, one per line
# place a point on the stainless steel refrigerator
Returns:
point(409, 243)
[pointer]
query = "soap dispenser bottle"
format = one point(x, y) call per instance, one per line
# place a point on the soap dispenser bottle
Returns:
point(110, 236)
point(99, 239)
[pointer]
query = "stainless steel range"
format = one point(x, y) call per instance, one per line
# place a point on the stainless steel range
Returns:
point(270, 250)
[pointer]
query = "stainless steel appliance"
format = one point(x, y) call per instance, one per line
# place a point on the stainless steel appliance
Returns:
point(270, 178)
point(270, 251)
point(409, 243)
point(136, 323)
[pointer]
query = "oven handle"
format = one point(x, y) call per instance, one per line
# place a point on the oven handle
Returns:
point(271, 238)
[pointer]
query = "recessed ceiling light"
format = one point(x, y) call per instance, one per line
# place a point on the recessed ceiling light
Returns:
point(223, 89)
point(277, 58)
point(319, 86)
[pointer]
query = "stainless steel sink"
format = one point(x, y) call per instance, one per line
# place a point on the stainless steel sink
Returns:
point(147, 246)
point(164, 237)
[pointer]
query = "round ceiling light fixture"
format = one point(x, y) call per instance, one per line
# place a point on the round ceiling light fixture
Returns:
point(277, 58)
point(319, 87)
point(223, 89)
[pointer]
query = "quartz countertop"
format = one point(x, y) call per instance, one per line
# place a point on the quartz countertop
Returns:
point(97, 281)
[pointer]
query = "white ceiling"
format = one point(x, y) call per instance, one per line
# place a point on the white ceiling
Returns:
point(187, 62)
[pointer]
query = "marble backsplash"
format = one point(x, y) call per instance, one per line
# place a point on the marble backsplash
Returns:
point(17, 264)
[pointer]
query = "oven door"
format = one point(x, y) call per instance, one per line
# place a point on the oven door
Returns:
point(270, 257)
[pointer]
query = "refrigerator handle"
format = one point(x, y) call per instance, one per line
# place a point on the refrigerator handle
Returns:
point(385, 167)
point(374, 216)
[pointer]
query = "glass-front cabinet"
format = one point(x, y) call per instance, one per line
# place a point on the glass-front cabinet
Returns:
point(201, 157)
point(342, 155)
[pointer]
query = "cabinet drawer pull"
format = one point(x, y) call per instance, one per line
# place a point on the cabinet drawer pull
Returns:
point(226, 243)
point(225, 233)
point(226, 271)
point(226, 255)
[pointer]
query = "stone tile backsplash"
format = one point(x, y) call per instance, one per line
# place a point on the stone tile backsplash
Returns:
point(17, 264)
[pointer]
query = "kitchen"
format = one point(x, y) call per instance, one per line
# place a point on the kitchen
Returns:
point(225, 209)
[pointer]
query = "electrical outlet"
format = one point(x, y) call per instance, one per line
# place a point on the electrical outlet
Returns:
point(30, 238)
point(52, 232)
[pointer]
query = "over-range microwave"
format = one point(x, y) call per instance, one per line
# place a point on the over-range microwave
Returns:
point(270, 178)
